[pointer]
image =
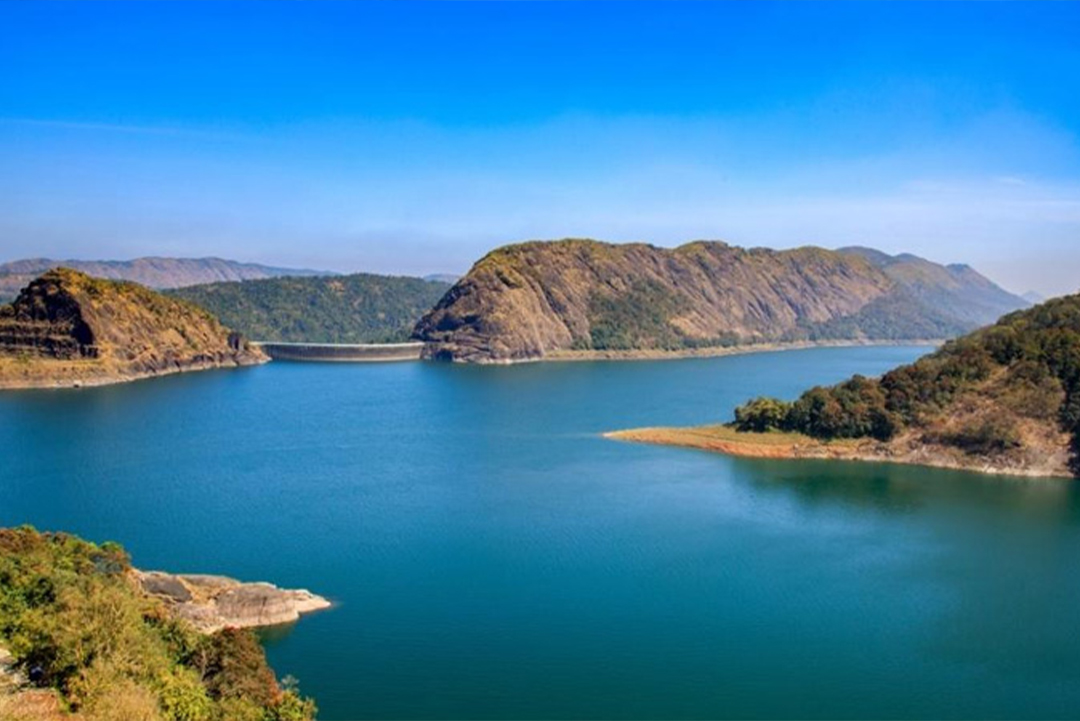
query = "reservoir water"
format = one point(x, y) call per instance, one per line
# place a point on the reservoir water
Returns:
point(492, 557)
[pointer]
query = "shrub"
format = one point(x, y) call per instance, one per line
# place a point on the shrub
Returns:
point(761, 415)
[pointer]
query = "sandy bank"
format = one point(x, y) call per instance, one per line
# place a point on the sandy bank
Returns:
point(905, 449)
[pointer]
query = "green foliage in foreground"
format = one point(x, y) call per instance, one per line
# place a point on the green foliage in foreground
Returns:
point(70, 608)
point(359, 308)
point(1029, 362)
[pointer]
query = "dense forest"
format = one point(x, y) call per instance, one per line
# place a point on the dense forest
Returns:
point(360, 308)
point(977, 393)
point(76, 623)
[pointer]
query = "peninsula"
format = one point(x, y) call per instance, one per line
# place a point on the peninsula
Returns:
point(68, 329)
point(1004, 399)
point(589, 299)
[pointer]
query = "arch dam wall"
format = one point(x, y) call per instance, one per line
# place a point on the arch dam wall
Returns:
point(341, 352)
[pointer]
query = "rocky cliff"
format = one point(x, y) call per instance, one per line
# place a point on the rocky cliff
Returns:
point(66, 328)
point(539, 299)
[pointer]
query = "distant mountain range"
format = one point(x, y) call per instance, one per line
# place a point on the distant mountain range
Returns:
point(151, 272)
point(550, 298)
point(443, 277)
point(1033, 297)
point(581, 297)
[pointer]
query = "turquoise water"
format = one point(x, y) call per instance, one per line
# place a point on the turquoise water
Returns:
point(492, 557)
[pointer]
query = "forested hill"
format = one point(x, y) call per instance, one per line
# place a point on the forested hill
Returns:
point(532, 300)
point(1008, 395)
point(360, 308)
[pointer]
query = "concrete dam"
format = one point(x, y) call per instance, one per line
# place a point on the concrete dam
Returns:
point(341, 352)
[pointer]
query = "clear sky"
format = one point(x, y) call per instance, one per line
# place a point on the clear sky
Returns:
point(412, 138)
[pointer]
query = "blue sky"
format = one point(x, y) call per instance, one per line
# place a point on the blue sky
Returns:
point(411, 138)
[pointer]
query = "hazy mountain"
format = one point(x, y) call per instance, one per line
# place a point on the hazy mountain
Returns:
point(1033, 297)
point(151, 272)
point(443, 277)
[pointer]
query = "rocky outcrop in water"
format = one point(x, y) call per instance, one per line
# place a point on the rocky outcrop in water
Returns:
point(214, 602)
point(539, 299)
point(67, 328)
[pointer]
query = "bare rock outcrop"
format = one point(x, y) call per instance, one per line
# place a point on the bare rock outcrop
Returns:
point(211, 603)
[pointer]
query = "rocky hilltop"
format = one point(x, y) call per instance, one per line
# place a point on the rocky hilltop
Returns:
point(546, 299)
point(151, 272)
point(1004, 399)
point(66, 328)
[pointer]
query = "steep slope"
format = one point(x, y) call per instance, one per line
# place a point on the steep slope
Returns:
point(151, 272)
point(67, 328)
point(538, 299)
point(359, 308)
point(1002, 399)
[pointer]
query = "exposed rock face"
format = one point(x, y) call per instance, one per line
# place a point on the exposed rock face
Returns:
point(215, 602)
point(67, 328)
point(528, 301)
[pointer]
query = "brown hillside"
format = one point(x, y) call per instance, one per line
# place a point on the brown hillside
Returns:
point(67, 328)
point(531, 300)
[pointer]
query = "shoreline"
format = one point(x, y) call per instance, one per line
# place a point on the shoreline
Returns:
point(98, 376)
point(791, 446)
point(647, 354)
point(717, 351)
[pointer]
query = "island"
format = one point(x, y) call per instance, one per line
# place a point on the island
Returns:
point(1004, 399)
point(67, 329)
